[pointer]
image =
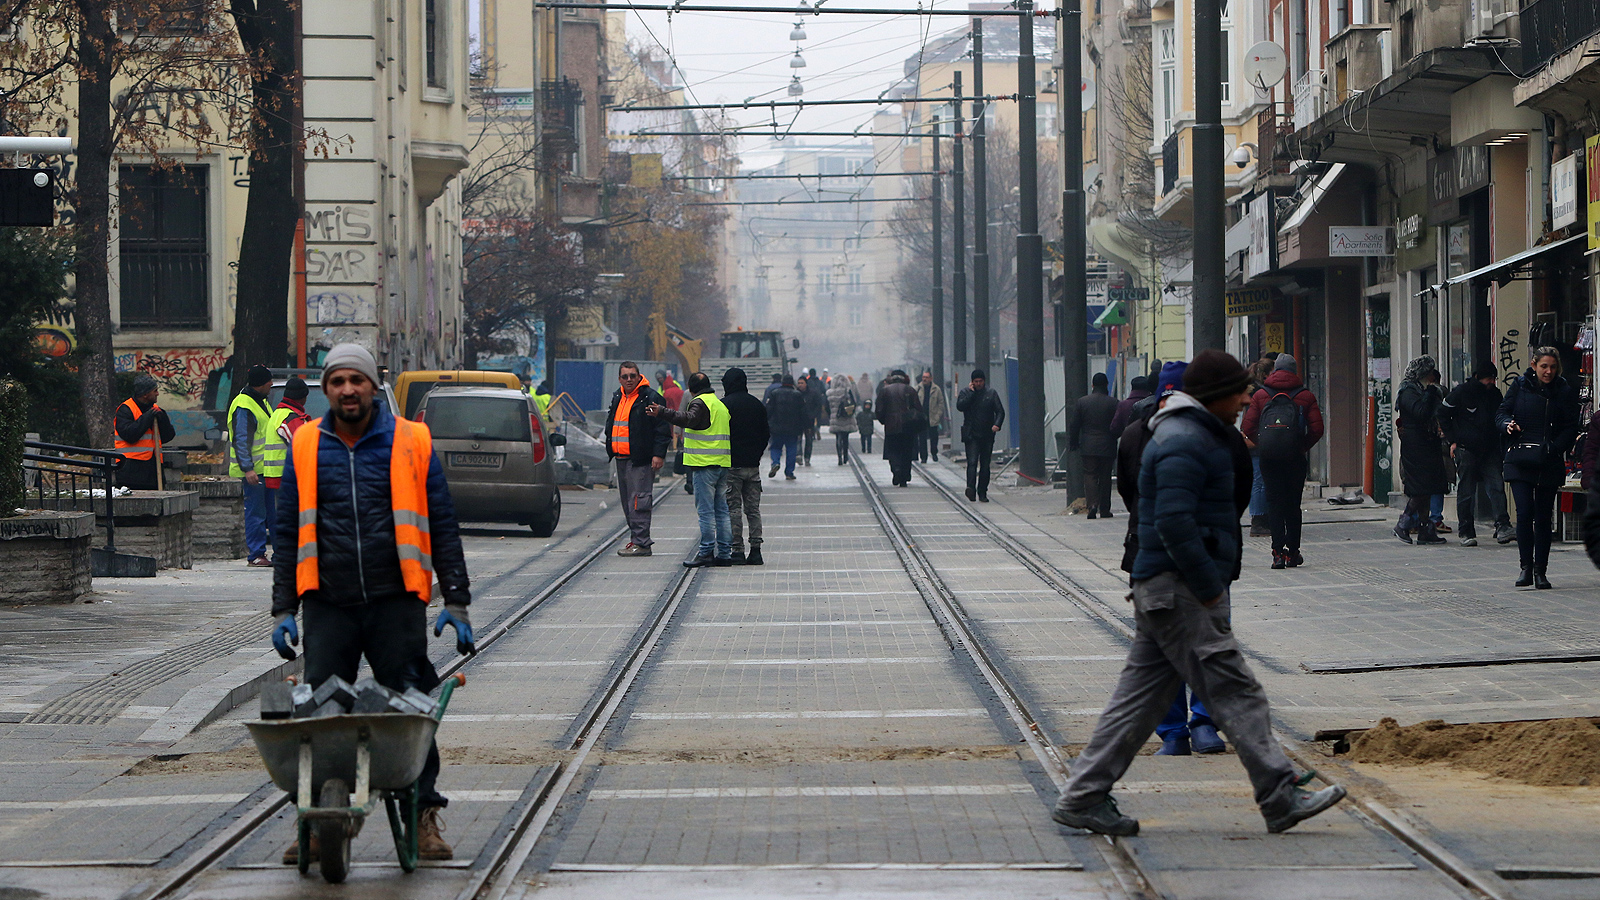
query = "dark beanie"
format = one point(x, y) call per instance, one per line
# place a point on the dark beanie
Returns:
point(1139, 383)
point(734, 380)
point(788, 381)
point(143, 384)
point(258, 376)
point(1100, 380)
point(1485, 370)
point(978, 373)
point(1214, 374)
point(296, 389)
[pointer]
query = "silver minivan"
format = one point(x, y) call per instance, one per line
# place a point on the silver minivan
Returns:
point(496, 455)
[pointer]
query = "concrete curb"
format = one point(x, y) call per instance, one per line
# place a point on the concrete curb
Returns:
point(203, 704)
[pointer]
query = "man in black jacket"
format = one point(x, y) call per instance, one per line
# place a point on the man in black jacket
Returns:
point(984, 416)
point(749, 433)
point(1467, 417)
point(816, 397)
point(372, 577)
point(639, 443)
point(1091, 436)
point(786, 416)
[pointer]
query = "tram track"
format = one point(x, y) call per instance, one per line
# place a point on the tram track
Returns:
point(1445, 863)
point(490, 880)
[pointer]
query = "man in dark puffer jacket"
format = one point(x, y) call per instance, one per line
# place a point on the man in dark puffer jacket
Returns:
point(1192, 478)
point(362, 604)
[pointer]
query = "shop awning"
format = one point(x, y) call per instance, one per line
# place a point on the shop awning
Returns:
point(1115, 313)
point(1302, 212)
point(1505, 269)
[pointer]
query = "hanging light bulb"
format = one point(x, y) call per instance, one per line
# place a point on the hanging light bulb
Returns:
point(795, 88)
point(798, 33)
point(797, 61)
point(803, 8)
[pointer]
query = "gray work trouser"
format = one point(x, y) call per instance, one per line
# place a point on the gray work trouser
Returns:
point(744, 502)
point(1178, 641)
point(634, 485)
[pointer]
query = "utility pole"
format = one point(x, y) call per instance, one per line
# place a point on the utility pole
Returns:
point(1074, 243)
point(1209, 222)
point(958, 276)
point(980, 209)
point(1030, 259)
point(938, 265)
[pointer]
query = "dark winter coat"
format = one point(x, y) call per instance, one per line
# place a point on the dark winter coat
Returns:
point(140, 474)
point(1091, 433)
point(1188, 498)
point(1421, 457)
point(898, 408)
point(1125, 411)
point(1468, 419)
point(356, 552)
point(648, 436)
point(983, 411)
point(786, 412)
point(1591, 451)
point(1130, 452)
point(1548, 415)
point(816, 403)
point(748, 430)
point(1284, 381)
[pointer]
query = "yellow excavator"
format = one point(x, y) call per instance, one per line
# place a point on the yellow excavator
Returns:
point(664, 336)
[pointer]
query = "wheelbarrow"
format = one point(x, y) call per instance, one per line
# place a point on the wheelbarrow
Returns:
point(319, 760)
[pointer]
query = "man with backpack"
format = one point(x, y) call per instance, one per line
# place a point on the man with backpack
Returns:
point(1283, 423)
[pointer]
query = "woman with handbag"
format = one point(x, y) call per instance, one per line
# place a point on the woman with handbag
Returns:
point(842, 403)
point(1416, 407)
point(1540, 418)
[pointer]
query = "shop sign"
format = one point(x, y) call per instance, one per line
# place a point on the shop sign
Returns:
point(1359, 240)
point(1258, 260)
point(1127, 294)
point(1591, 166)
point(1408, 233)
point(1564, 192)
point(1272, 337)
point(1249, 301)
point(1453, 174)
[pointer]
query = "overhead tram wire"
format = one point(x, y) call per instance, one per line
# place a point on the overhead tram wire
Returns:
point(801, 104)
point(807, 202)
point(817, 175)
point(676, 8)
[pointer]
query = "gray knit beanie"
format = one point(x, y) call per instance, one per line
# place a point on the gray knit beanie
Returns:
point(350, 356)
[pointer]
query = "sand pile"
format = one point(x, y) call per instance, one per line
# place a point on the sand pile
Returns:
point(1554, 752)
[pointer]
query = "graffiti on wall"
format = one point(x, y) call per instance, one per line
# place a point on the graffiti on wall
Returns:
point(180, 374)
point(56, 333)
point(337, 264)
point(349, 305)
point(336, 224)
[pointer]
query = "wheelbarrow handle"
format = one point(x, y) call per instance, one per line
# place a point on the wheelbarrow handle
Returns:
point(450, 685)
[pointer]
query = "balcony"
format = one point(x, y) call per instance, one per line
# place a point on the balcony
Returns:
point(1552, 27)
point(1169, 163)
point(1310, 98)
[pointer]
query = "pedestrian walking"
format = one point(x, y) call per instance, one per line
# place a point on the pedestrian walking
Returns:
point(816, 395)
point(286, 420)
point(1416, 407)
point(1283, 423)
point(1189, 553)
point(365, 501)
point(748, 433)
point(934, 408)
point(1539, 416)
point(864, 388)
point(786, 417)
point(983, 416)
point(248, 419)
point(139, 428)
point(1259, 370)
point(865, 422)
point(639, 444)
point(1138, 389)
point(901, 414)
point(1478, 445)
point(707, 453)
point(1090, 435)
point(843, 402)
point(777, 381)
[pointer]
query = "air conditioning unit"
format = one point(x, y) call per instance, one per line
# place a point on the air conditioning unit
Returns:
point(1484, 17)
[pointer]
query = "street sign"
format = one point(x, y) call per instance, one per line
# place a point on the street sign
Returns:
point(27, 197)
point(1249, 302)
point(1127, 294)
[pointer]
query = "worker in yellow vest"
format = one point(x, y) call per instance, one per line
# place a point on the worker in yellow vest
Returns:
point(139, 428)
point(707, 453)
point(286, 420)
point(248, 419)
point(365, 524)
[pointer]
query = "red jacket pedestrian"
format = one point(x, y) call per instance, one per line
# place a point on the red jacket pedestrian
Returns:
point(1285, 381)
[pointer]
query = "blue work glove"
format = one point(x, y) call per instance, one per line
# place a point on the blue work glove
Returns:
point(456, 616)
point(284, 633)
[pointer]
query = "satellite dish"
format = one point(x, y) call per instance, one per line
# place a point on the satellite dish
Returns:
point(1265, 65)
point(1088, 93)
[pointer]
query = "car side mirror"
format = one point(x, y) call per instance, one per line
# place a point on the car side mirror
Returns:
point(214, 434)
point(796, 343)
point(558, 440)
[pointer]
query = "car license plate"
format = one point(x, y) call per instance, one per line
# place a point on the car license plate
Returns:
point(476, 460)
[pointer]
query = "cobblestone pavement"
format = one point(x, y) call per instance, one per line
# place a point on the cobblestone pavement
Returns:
point(805, 728)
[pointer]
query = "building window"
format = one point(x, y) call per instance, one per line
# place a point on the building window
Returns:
point(858, 316)
point(1167, 66)
point(433, 27)
point(163, 245)
point(825, 281)
point(1227, 69)
point(855, 281)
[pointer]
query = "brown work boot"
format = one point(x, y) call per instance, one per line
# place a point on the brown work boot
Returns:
point(291, 855)
point(430, 844)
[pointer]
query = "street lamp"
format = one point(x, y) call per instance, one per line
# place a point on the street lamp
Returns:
point(795, 88)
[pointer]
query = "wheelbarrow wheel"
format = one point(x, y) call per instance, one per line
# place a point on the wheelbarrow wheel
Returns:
point(334, 834)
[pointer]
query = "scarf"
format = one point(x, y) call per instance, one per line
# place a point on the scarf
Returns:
point(1415, 370)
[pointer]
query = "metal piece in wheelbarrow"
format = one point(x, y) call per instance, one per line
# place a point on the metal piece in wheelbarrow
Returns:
point(398, 744)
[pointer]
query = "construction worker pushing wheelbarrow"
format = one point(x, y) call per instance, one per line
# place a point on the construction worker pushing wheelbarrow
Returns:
point(364, 525)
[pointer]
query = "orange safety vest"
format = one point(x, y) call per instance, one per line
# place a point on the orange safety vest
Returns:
point(619, 424)
point(408, 494)
point(143, 448)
